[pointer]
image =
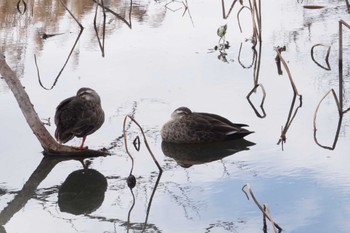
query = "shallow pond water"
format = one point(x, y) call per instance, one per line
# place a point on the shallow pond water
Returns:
point(160, 56)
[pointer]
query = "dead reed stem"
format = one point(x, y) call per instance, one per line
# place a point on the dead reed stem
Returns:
point(144, 139)
point(339, 122)
point(338, 100)
point(295, 90)
point(265, 213)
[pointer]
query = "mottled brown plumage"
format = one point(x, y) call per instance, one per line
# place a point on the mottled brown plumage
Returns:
point(186, 126)
point(78, 116)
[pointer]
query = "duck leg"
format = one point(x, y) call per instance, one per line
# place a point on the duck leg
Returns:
point(81, 147)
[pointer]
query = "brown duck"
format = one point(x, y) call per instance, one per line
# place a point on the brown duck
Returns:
point(79, 116)
point(186, 126)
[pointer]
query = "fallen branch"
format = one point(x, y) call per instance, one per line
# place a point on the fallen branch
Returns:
point(50, 145)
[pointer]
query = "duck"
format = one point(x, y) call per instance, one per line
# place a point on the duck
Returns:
point(79, 116)
point(186, 126)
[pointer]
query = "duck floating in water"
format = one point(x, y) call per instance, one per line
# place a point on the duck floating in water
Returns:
point(79, 116)
point(186, 126)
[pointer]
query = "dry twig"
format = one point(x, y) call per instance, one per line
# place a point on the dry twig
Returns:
point(266, 214)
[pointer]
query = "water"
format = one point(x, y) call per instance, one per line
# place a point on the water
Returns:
point(166, 60)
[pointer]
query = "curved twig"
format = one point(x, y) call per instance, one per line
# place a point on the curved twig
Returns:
point(253, 60)
point(144, 140)
point(326, 58)
point(339, 122)
point(238, 14)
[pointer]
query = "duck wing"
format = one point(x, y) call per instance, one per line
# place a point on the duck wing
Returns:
point(70, 119)
point(222, 119)
point(219, 127)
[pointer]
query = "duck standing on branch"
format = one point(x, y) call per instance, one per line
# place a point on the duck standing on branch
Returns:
point(79, 116)
point(186, 126)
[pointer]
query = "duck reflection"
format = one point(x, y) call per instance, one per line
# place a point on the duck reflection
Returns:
point(187, 155)
point(82, 192)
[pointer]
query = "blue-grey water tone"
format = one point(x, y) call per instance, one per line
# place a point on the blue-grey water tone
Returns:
point(160, 55)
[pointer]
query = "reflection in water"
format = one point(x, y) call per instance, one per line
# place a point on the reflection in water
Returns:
point(82, 192)
point(90, 185)
point(23, 196)
point(222, 44)
point(21, 7)
point(17, 18)
point(338, 100)
point(187, 155)
point(327, 67)
point(256, 61)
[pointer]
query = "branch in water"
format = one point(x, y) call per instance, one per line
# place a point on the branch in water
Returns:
point(49, 144)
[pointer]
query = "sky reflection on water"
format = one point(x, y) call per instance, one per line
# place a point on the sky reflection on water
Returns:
point(164, 61)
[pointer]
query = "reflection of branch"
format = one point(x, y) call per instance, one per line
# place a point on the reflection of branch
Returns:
point(117, 15)
point(150, 200)
point(266, 214)
point(224, 15)
point(261, 103)
point(326, 58)
point(48, 143)
point(19, 7)
point(347, 5)
point(23, 196)
point(70, 53)
point(102, 45)
point(256, 19)
point(257, 61)
point(131, 208)
point(253, 60)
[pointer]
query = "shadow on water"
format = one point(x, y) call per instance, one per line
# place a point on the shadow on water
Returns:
point(187, 155)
